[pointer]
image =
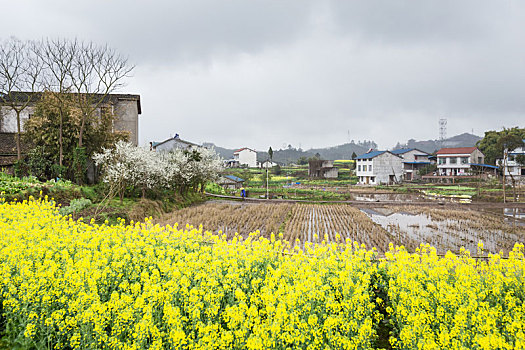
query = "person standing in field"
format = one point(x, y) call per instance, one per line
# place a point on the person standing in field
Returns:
point(243, 193)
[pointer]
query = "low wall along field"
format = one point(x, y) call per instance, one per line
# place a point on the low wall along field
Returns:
point(74, 285)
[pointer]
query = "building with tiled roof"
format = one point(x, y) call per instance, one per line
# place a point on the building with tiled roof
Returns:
point(458, 161)
point(245, 156)
point(173, 143)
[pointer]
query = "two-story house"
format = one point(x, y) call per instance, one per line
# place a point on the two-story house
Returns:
point(413, 160)
point(245, 156)
point(125, 108)
point(513, 168)
point(379, 167)
point(458, 161)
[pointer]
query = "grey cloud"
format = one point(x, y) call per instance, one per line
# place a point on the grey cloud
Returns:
point(260, 73)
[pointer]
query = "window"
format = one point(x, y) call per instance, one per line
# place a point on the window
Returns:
point(364, 167)
point(453, 160)
point(370, 167)
point(441, 160)
point(464, 160)
point(359, 168)
point(373, 178)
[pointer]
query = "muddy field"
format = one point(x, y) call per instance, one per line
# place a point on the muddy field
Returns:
point(444, 228)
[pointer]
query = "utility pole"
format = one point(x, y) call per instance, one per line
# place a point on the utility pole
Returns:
point(505, 156)
point(267, 196)
point(270, 157)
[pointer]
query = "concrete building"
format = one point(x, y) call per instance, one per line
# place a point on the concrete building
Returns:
point(459, 161)
point(245, 156)
point(322, 169)
point(379, 167)
point(126, 109)
point(513, 168)
point(172, 143)
point(413, 160)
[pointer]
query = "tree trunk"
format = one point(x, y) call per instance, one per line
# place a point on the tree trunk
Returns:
point(81, 132)
point(18, 131)
point(513, 186)
point(61, 155)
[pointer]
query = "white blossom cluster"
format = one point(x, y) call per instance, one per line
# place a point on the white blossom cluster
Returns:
point(138, 167)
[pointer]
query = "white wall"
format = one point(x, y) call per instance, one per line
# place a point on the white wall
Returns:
point(449, 168)
point(247, 157)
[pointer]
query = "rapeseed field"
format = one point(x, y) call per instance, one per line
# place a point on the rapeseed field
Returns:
point(69, 284)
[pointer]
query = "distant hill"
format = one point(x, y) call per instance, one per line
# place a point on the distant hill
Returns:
point(344, 151)
point(431, 146)
point(225, 153)
point(291, 155)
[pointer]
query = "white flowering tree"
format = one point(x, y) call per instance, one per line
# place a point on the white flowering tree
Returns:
point(191, 169)
point(117, 169)
point(180, 170)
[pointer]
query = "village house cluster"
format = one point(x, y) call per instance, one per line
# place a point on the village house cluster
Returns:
point(388, 167)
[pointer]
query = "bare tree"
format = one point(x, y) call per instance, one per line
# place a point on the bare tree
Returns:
point(96, 72)
point(77, 72)
point(20, 78)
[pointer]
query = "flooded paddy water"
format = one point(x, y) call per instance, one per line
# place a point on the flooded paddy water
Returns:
point(448, 229)
point(512, 216)
point(409, 198)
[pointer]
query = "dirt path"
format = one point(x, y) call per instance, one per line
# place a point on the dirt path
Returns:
point(378, 203)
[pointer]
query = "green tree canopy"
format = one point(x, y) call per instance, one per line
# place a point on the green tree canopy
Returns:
point(494, 142)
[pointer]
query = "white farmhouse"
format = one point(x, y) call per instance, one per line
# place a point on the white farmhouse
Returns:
point(379, 167)
point(246, 156)
point(513, 168)
point(459, 161)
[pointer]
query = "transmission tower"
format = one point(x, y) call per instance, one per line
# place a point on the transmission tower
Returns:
point(442, 129)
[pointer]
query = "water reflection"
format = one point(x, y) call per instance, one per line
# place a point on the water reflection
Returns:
point(412, 229)
point(407, 197)
point(512, 216)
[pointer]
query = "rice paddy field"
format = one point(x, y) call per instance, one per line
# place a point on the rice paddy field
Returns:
point(443, 228)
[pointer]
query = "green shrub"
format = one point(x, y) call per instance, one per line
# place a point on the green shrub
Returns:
point(75, 205)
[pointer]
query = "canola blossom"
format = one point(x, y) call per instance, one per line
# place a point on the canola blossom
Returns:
point(456, 302)
point(70, 284)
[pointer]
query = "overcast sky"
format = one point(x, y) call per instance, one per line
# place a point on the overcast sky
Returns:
point(307, 73)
